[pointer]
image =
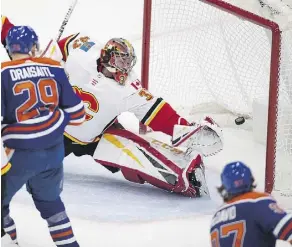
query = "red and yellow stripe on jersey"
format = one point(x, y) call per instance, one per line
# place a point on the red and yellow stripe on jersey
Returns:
point(162, 117)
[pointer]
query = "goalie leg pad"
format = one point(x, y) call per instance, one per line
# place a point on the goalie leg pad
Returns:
point(148, 160)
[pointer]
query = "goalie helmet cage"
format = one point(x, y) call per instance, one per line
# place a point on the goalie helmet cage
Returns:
point(191, 46)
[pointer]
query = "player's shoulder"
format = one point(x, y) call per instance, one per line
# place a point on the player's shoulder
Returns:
point(132, 77)
point(30, 61)
point(10, 63)
point(64, 44)
point(78, 41)
point(250, 198)
point(133, 81)
point(247, 201)
point(47, 61)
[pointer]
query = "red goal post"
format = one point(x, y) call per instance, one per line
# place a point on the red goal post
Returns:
point(275, 71)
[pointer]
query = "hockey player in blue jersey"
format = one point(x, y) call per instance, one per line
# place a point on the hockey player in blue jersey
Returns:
point(248, 218)
point(37, 102)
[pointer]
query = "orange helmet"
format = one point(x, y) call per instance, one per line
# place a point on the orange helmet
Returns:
point(118, 57)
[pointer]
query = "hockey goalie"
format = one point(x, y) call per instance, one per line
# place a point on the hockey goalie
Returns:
point(103, 78)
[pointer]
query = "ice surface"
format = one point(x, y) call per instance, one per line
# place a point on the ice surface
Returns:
point(105, 209)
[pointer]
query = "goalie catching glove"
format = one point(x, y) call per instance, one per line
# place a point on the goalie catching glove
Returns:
point(205, 136)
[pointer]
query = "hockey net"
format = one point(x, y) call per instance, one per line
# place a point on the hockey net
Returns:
point(216, 55)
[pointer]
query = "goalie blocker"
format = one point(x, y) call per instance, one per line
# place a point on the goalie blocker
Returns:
point(142, 159)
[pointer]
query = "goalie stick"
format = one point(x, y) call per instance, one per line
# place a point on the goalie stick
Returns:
point(63, 25)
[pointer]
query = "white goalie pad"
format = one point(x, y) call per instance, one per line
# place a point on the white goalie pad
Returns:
point(142, 159)
point(205, 136)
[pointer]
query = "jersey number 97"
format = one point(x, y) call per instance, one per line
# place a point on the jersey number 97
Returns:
point(235, 231)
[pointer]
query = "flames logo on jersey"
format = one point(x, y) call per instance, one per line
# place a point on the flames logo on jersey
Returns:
point(89, 99)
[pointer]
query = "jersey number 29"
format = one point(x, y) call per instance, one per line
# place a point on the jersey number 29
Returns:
point(44, 91)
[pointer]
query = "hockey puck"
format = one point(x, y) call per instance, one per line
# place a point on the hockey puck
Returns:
point(239, 120)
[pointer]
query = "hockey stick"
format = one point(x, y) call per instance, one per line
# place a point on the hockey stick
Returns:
point(66, 19)
point(62, 27)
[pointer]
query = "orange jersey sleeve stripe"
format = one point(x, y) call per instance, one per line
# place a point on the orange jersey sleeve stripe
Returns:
point(35, 128)
point(78, 114)
point(286, 231)
point(62, 234)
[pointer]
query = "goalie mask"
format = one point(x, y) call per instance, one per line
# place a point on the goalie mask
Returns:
point(118, 57)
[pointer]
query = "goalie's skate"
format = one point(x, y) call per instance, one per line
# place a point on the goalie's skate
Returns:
point(205, 136)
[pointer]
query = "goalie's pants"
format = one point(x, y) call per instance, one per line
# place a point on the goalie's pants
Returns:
point(78, 149)
point(88, 149)
point(42, 172)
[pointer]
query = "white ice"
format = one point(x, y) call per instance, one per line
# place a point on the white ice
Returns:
point(105, 209)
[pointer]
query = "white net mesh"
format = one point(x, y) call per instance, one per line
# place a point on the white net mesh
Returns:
point(200, 55)
point(284, 119)
point(208, 62)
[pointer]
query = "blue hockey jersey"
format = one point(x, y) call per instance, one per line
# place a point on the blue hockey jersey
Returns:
point(250, 220)
point(37, 102)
